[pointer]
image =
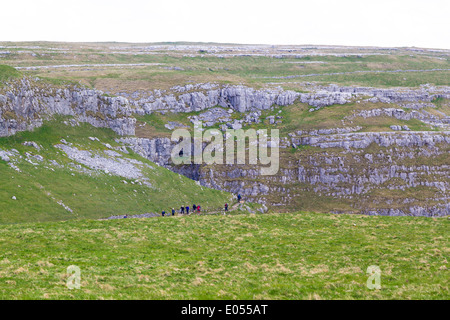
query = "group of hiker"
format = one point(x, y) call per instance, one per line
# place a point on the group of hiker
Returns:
point(195, 208)
point(185, 209)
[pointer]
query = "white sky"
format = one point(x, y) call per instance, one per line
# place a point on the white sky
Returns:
point(420, 23)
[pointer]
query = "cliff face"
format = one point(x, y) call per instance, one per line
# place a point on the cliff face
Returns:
point(362, 140)
point(244, 99)
point(404, 175)
point(204, 96)
point(385, 173)
point(329, 170)
point(25, 103)
point(337, 169)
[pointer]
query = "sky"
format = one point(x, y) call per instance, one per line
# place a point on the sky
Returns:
point(385, 23)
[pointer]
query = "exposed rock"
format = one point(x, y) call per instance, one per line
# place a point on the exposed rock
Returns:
point(401, 114)
point(127, 168)
point(212, 116)
point(238, 98)
point(384, 139)
point(5, 156)
point(396, 128)
point(32, 144)
point(331, 175)
point(172, 125)
point(27, 103)
point(157, 150)
point(271, 119)
point(236, 125)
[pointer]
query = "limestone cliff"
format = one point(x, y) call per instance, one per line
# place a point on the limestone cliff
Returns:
point(25, 103)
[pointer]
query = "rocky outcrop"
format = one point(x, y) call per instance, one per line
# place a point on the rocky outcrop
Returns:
point(401, 114)
point(244, 99)
point(395, 95)
point(384, 139)
point(397, 161)
point(238, 98)
point(347, 166)
point(325, 131)
point(325, 98)
point(109, 162)
point(25, 103)
point(156, 150)
point(212, 116)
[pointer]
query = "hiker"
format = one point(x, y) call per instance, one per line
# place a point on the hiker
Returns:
point(173, 212)
point(226, 206)
point(187, 210)
point(239, 197)
point(163, 213)
point(198, 209)
point(182, 210)
point(194, 207)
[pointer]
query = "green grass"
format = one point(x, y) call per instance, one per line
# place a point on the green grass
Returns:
point(7, 72)
point(401, 79)
point(99, 195)
point(271, 256)
point(254, 71)
point(297, 117)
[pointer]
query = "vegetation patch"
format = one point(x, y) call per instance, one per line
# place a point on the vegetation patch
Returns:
point(246, 256)
point(7, 72)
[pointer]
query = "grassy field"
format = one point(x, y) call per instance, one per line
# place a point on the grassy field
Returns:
point(245, 256)
point(89, 193)
point(176, 64)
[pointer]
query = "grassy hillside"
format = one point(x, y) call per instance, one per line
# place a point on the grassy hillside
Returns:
point(271, 256)
point(41, 186)
point(7, 72)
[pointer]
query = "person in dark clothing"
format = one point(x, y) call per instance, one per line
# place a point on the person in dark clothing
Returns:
point(239, 197)
point(226, 206)
point(194, 207)
point(173, 211)
point(182, 210)
point(163, 213)
point(187, 210)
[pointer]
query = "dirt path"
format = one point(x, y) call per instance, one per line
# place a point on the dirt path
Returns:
point(153, 215)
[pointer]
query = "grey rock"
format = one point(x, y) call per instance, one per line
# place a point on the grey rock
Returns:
point(172, 125)
point(114, 164)
point(32, 103)
point(5, 156)
point(406, 128)
point(396, 128)
point(271, 119)
point(32, 144)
